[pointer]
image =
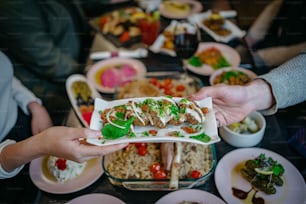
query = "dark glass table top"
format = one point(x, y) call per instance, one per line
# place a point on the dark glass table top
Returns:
point(280, 127)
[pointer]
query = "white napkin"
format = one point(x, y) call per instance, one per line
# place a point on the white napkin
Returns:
point(138, 53)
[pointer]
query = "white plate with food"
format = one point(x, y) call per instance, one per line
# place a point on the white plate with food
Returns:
point(193, 196)
point(81, 94)
point(96, 198)
point(232, 76)
point(210, 57)
point(231, 184)
point(219, 28)
point(42, 175)
point(154, 119)
point(107, 74)
point(179, 9)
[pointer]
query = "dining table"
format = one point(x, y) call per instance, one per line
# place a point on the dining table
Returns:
point(280, 127)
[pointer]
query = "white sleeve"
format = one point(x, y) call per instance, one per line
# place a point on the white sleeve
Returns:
point(4, 174)
point(22, 95)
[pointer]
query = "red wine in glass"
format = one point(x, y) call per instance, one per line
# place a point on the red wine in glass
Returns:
point(185, 44)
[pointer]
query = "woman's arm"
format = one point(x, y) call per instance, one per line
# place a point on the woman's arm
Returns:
point(275, 56)
point(263, 22)
point(57, 141)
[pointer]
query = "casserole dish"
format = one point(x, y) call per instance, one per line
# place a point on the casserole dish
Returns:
point(127, 169)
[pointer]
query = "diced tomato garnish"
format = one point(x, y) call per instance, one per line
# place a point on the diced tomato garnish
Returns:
point(188, 129)
point(161, 174)
point(195, 174)
point(205, 110)
point(155, 167)
point(124, 37)
point(145, 108)
point(153, 132)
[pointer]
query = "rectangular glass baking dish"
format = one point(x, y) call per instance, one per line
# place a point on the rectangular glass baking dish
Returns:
point(208, 163)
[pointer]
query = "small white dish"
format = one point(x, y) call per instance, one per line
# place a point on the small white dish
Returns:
point(195, 7)
point(44, 181)
point(245, 140)
point(190, 195)
point(141, 133)
point(230, 54)
point(94, 73)
point(96, 198)
point(226, 177)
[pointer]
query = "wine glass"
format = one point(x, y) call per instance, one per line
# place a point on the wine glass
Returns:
point(186, 40)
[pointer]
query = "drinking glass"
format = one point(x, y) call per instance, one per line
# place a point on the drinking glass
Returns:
point(149, 26)
point(186, 41)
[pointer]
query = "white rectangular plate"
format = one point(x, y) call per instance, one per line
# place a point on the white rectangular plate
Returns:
point(235, 31)
point(209, 126)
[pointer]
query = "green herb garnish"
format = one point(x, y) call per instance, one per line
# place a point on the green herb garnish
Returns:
point(195, 61)
point(201, 137)
point(110, 131)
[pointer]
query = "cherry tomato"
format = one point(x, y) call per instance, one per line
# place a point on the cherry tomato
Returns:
point(142, 151)
point(168, 85)
point(168, 82)
point(140, 144)
point(195, 174)
point(180, 88)
point(155, 167)
point(156, 83)
point(168, 92)
point(161, 174)
point(61, 164)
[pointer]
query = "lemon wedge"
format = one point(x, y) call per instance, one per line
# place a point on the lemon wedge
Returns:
point(264, 170)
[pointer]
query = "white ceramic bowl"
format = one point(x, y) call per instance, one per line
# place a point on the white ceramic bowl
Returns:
point(212, 77)
point(245, 140)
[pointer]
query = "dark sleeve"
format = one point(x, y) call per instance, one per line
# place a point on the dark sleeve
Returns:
point(28, 37)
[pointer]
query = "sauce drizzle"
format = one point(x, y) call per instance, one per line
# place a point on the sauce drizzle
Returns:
point(243, 195)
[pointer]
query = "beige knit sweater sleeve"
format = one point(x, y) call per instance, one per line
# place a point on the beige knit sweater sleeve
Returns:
point(288, 83)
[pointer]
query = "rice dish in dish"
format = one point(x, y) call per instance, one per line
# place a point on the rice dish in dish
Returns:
point(63, 169)
point(128, 164)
